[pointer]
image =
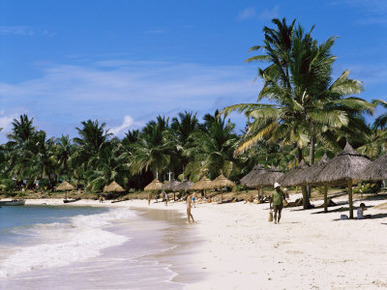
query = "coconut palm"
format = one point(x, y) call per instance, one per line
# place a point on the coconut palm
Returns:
point(381, 121)
point(306, 103)
point(211, 149)
point(93, 137)
point(108, 166)
point(182, 129)
point(64, 150)
point(152, 151)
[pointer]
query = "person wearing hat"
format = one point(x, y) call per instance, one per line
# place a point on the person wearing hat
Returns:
point(277, 198)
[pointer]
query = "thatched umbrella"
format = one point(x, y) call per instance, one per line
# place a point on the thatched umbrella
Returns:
point(376, 170)
point(220, 182)
point(202, 184)
point(344, 169)
point(113, 187)
point(268, 178)
point(184, 186)
point(311, 174)
point(154, 185)
point(171, 186)
point(295, 176)
point(65, 186)
point(249, 179)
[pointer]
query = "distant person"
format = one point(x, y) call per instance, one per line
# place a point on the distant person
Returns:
point(149, 198)
point(189, 214)
point(360, 212)
point(277, 198)
point(166, 198)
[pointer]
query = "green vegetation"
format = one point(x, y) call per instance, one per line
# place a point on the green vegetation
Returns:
point(301, 113)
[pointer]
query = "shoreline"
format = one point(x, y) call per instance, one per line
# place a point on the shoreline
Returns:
point(240, 249)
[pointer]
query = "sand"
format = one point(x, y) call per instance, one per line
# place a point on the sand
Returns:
point(240, 249)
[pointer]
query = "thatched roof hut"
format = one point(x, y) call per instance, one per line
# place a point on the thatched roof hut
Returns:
point(295, 176)
point(184, 186)
point(222, 181)
point(310, 175)
point(269, 177)
point(250, 178)
point(347, 165)
point(113, 187)
point(171, 185)
point(376, 170)
point(202, 184)
point(343, 169)
point(154, 185)
point(65, 186)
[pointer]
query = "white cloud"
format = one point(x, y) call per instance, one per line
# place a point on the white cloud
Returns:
point(112, 90)
point(246, 13)
point(127, 124)
point(6, 123)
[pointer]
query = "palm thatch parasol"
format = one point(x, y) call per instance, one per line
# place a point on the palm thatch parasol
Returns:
point(295, 176)
point(220, 182)
point(344, 169)
point(310, 177)
point(377, 170)
point(65, 186)
point(154, 185)
point(265, 178)
point(249, 179)
point(113, 187)
point(184, 186)
point(171, 185)
point(268, 178)
point(202, 184)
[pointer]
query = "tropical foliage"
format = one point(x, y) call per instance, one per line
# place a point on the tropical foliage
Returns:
point(301, 112)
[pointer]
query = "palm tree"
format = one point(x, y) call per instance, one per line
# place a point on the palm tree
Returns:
point(182, 129)
point(381, 121)
point(64, 151)
point(152, 151)
point(298, 81)
point(93, 137)
point(109, 165)
point(211, 150)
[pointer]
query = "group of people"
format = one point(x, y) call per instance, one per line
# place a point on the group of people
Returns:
point(277, 201)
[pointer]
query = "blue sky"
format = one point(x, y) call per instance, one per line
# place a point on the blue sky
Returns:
point(126, 62)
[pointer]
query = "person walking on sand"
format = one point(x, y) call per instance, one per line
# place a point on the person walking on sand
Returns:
point(277, 198)
point(166, 198)
point(189, 206)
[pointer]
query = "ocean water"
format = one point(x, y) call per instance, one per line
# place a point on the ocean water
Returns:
point(43, 247)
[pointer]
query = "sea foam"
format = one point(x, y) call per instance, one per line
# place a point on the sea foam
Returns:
point(64, 243)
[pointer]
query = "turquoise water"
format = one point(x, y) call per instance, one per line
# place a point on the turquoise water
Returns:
point(42, 247)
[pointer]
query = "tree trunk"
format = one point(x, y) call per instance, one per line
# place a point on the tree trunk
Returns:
point(305, 191)
point(350, 199)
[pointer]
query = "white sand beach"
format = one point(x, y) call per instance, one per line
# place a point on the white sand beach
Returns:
point(307, 250)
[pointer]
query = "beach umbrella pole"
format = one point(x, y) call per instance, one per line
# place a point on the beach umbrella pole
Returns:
point(325, 198)
point(350, 201)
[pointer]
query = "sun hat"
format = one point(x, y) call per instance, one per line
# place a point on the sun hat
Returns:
point(276, 184)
